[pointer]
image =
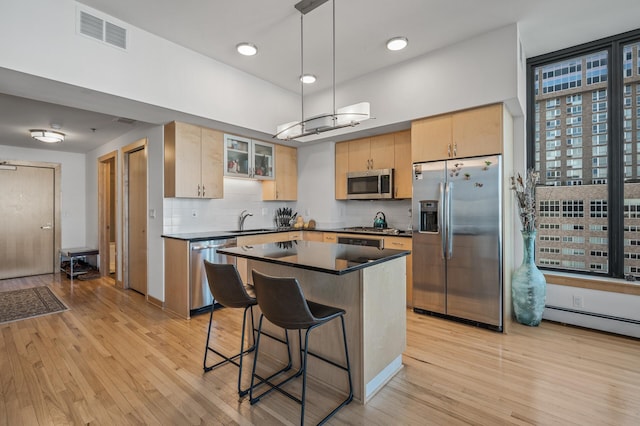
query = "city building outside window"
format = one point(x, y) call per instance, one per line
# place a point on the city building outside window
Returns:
point(584, 139)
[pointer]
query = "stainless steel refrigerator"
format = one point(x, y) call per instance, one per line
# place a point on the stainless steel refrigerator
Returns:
point(457, 239)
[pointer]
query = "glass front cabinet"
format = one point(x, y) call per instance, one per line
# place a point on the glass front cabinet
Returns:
point(248, 158)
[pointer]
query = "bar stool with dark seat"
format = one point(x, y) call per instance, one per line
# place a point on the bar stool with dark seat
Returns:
point(282, 302)
point(228, 290)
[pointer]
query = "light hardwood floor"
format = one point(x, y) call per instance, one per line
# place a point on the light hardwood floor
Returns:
point(114, 359)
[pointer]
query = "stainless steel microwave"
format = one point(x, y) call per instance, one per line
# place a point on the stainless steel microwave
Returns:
point(370, 184)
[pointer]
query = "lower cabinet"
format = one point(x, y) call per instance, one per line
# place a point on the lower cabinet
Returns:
point(176, 277)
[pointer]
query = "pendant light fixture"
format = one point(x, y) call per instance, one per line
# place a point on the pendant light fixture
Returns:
point(348, 116)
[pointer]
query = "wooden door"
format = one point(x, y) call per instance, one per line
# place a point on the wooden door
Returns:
point(431, 139)
point(342, 167)
point(359, 155)
point(478, 131)
point(27, 224)
point(402, 165)
point(212, 145)
point(107, 213)
point(137, 220)
point(382, 151)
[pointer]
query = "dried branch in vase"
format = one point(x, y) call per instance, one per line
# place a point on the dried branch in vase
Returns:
point(525, 191)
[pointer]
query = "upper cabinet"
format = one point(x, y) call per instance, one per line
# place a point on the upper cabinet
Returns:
point(248, 158)
point(461, 134)
point(285, 185)
point(371, 153)
point(192, 161)
point(387, 151)
point(403, 168)
point(341, 169)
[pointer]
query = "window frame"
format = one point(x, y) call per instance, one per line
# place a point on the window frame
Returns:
point(614, 47)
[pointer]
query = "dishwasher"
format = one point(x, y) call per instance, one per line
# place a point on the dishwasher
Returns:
point(200, 298)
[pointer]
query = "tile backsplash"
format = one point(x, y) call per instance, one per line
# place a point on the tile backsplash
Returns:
point(194, 215)
point(185, 215)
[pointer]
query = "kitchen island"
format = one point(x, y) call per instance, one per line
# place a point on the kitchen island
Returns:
point(368, 283)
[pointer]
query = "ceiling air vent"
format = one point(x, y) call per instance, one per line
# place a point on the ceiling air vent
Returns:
point(102, 30)
point(124, 120)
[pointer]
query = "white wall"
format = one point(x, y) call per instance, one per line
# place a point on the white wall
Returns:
point(152, 70)
point(474, 72)
point(73, 186)
point(155, 163)
point(582, 303)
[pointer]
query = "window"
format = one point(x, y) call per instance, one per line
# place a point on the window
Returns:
point(572, 208)
point(548, 208)
point(599, 144)
point(598, 208)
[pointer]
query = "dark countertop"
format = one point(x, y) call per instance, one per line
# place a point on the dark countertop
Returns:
point(330, 258)
point(223, 235)
point(220, 235)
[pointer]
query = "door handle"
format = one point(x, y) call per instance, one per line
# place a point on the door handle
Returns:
point(46, 227)
point(442, 226)
point(449, 219)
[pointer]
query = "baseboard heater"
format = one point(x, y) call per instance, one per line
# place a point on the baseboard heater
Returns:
point(593, 314)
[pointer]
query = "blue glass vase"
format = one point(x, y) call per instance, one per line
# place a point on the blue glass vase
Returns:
point(528, 286)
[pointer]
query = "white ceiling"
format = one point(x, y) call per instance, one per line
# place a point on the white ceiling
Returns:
point(214, 27)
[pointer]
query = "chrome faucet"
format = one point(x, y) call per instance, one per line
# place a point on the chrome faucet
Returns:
point(243, 216)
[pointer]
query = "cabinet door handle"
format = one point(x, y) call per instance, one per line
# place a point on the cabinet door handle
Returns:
point(198, 190)
point(203, 190)
point(455, 149)
point(449, 150)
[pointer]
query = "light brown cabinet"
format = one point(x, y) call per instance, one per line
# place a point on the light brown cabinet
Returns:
point(402, 167)
point(192, 161)
point(387, 151)
point(342, 167)
point(284, 187)
point(461, 134)
point(371, 153)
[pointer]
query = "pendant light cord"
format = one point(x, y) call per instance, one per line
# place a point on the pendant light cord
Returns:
point(302, 71)
point(334, 61)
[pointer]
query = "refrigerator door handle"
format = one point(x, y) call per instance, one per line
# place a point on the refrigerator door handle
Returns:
point(448, 191)
point(441, 223)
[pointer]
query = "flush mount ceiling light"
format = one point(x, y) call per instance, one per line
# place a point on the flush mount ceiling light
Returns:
point(397, 43)
point(47, 136)
point(308, 78)
point(247, 49)
point(348, 116)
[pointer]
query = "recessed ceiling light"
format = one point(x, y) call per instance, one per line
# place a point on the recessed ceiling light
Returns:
point(397, 43)
point(48, 136)
point(247, 49)
point(308, 78)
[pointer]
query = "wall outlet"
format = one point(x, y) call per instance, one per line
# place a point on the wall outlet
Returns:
point(194, 213)
point(578, 301)
point(265, 211)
